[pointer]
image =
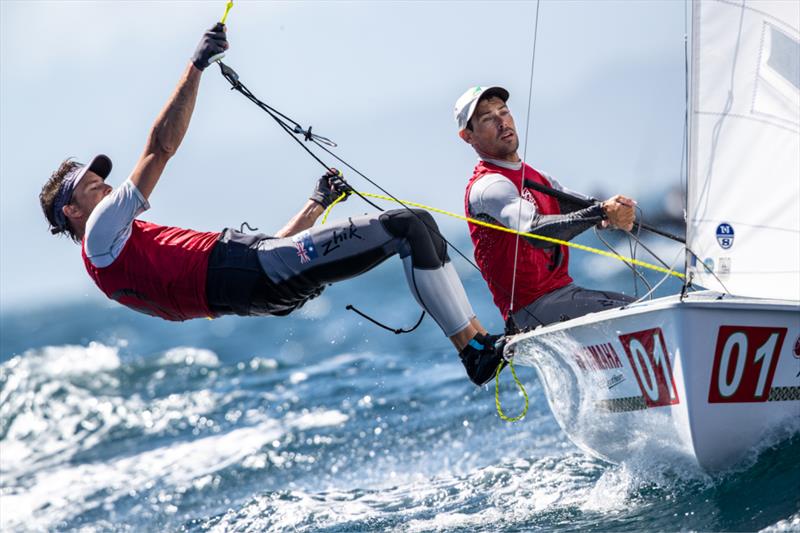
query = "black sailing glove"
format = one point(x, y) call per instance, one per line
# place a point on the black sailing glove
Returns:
point(214, 43)
point(330, 187)
point(339, 185)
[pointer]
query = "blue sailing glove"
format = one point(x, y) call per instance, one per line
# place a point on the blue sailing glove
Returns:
point(212, 46)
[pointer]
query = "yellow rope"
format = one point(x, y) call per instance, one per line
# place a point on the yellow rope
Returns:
point(328, 210)
point(531, 235)
point(497, 393)
point(618, 257)
point(228, 7)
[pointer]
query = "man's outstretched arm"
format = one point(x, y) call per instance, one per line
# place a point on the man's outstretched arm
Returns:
point(304, 219)
point(173, 121)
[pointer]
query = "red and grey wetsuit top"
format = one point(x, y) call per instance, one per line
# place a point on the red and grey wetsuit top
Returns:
point(537, 270)
point(157, 270)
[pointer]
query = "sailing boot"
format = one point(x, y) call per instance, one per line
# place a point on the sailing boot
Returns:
point(481, 357)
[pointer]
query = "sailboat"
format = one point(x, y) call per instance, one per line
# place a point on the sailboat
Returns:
point(705, 375)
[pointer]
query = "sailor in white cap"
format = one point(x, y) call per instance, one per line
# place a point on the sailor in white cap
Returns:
point(502, 189)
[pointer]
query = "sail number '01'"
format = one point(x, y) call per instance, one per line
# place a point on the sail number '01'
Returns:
point(649, 360)
point(744, 363)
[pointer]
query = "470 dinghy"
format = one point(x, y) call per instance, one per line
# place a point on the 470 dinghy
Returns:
point(706, 375)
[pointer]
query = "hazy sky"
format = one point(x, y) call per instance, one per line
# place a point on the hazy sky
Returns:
point(380, 78)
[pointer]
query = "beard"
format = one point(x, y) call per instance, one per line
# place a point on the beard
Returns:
point(504, 148)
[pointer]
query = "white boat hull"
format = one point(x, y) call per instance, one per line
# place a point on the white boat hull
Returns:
point(703, 379)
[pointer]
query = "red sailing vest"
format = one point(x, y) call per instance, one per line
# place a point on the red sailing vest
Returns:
point(160, 272)
point(494, 250)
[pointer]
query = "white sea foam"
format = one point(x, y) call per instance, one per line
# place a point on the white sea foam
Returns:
point(187, 355)
point(56, 493)
point(59, 401)
point(507, 494)
point(445, 521)
point(51, 417)
point(43, 412)
point(295, 510)
point(69, 360)
point(326, 366)
point(260, 363)
point(316, 419)
point(790, 524)
point(57, 405)
point(297, 377)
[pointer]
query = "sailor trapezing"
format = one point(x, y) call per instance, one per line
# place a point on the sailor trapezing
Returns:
point(179, 274)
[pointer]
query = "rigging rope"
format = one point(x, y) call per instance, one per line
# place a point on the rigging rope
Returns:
point(497, 227)
point(500, 412)
point(296, 129)
point(524, 160)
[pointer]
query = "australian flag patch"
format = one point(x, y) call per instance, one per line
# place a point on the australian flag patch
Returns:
point(306, 249)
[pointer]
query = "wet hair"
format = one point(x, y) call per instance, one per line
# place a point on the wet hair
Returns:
point(48, 197)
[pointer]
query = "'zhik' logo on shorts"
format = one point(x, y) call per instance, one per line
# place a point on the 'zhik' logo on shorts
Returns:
point(725, 235)
point(306, 250)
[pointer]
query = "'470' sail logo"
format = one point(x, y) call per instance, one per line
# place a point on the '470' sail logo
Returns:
point(650, 362)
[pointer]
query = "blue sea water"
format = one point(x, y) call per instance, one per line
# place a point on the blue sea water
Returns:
point(110, 420)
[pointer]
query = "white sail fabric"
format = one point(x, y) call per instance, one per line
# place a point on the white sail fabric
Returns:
point(743, 205)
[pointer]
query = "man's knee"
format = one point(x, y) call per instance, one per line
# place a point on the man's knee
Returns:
point(420, 231)
point(413, 225)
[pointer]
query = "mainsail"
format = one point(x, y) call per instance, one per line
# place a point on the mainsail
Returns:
point(743, 202)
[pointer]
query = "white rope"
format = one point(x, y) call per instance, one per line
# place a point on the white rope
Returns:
point(524, 158)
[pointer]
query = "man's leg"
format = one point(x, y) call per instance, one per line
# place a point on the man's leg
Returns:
point(567, 303)
point(346, 248)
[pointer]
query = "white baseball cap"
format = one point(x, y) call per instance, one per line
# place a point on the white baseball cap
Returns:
point(467, 102)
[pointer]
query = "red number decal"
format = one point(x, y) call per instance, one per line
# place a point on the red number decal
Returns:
point(744, 363)
point(649, 360)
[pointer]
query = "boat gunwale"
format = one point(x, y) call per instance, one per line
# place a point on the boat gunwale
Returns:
point(702, 300)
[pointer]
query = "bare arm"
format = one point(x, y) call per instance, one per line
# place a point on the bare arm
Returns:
point(329, 187)
point(303, 220)
point(173, 121)
point(167, 132)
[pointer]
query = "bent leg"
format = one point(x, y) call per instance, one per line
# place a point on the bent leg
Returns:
point(347, 248)
point(429, 272)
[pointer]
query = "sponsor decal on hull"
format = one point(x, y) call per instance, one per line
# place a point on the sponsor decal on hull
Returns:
point(745, 360)
point(797, 352)
point(650, 364)
point(615, 380)
point(598, 357)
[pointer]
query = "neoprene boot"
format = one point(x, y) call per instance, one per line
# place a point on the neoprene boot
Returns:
point(481, 357)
